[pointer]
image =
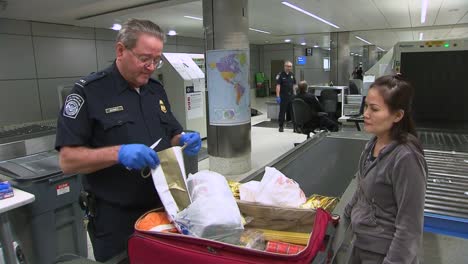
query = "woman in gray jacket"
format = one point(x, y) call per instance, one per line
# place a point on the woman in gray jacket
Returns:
point(387, 209)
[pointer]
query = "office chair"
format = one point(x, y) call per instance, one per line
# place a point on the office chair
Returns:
point(305, 119)
point(329, 100)
point(353, 89)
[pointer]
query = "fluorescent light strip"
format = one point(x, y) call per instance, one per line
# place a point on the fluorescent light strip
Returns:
point(363, 40)
point(309, 14)
point(421, 36)
point(261, 31)
point(287, 40)
point(425, 3)
point(116, 27)
point(379, 48)
point(196, 18)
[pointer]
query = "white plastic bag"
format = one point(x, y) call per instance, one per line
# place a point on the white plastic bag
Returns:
point(213, 213)
point(278, 190)
point(248, 190)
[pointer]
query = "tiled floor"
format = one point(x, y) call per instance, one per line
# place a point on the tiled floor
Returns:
point(267, 143)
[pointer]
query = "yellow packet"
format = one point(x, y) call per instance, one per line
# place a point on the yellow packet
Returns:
point(319, 201)
point(234, 186)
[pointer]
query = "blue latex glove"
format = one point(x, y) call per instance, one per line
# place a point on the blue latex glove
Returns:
point(193, 142)
point(278, 100)
point(138, 156)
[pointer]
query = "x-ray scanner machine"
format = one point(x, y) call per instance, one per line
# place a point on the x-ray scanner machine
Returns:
point(184, 83)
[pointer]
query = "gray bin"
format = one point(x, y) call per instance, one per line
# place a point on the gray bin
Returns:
point(52, 226)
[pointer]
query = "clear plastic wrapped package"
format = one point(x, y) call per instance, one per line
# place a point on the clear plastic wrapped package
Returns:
point(253, 238)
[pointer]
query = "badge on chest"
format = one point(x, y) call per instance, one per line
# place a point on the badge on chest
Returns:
point(114, 109)
point(163, 107)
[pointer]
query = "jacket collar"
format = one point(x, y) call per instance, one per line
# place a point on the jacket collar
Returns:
point(122, 85)
point(367, 151)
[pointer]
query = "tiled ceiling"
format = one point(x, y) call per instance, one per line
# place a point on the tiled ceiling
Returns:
point(381, 22)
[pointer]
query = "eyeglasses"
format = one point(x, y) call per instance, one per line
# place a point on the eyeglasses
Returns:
point(148, 61)
point(399, 76)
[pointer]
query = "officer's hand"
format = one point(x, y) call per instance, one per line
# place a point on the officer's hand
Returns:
point(278, 100)
point(193, 142)
point(138, 156)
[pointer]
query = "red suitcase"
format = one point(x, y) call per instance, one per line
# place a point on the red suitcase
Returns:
point(149, 248)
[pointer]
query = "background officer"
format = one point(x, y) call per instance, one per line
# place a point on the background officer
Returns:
point(104, 130)
point(285, 82)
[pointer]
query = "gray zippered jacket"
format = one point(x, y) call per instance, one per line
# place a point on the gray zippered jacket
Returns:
point(387, 209)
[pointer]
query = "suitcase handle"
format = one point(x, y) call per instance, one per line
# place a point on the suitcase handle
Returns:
point(322, 256)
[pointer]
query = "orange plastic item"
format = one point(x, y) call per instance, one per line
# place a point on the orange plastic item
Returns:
point(156, 221)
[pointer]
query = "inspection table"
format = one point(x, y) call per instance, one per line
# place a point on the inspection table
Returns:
point(19, 199)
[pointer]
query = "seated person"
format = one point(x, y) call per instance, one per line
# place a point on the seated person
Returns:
point(353, 89)
point(314, 103)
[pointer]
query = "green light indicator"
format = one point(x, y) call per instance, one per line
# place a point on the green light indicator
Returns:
point(446, 45)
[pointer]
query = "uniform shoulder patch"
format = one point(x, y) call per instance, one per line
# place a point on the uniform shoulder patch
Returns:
point(278, 76)
point(90, 78)
point(72, 105)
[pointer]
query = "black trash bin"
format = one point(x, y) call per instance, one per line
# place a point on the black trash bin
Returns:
point(52, 226)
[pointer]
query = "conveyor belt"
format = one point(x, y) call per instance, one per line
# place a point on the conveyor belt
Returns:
point(26, 131)
point(441, 140)
point(31, 129)
point(447, 186)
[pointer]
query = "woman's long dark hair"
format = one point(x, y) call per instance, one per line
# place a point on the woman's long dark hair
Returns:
point(398, 94)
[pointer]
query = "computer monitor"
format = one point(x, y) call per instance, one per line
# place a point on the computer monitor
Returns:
point(363, 104)
point(361, 108)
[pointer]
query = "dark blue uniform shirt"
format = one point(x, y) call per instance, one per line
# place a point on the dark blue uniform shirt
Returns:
point(104, 110)
point(286, 82)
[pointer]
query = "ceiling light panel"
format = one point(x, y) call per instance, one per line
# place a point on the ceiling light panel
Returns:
point(194, 18)
point(363, 40)
point(309, 14)
point(259, 30)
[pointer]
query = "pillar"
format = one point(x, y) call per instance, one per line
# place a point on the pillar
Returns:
point(226, 27)
point(370, 56)
point(340, 60)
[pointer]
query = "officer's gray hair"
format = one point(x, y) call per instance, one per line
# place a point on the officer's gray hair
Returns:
point(128, 34)
point(302, 87)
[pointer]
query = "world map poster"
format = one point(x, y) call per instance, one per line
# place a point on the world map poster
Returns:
point(228, 87)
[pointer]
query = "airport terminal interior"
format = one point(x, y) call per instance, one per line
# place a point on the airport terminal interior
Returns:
point(224, 65)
